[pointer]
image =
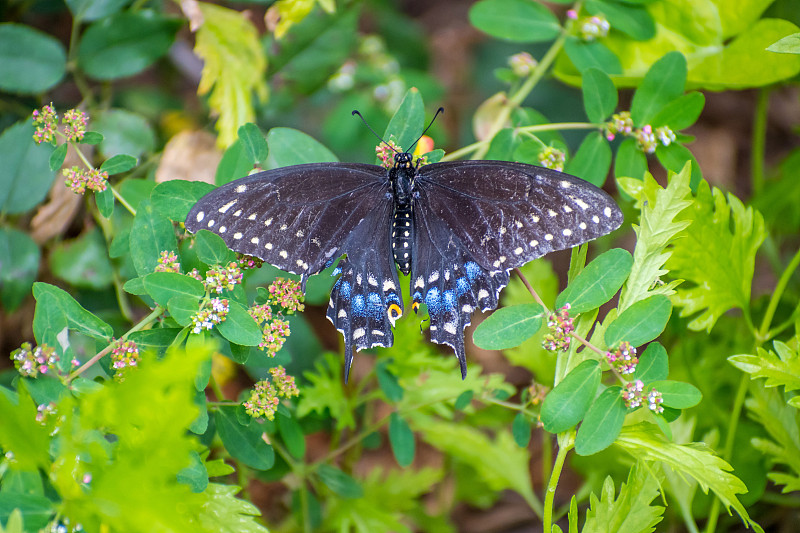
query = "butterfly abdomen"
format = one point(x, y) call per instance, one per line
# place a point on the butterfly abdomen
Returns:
point(402, 237)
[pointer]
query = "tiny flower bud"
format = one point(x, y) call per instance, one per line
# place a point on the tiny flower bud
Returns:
point(561, 325)
point(522, 64)
point(168, 262)
point(552, 158)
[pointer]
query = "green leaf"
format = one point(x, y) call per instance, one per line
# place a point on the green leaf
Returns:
point(211, 249)
point(222, 512)
point(521, 430)
point(105, 204)
point(151, 234)
point(641, 322)
point(325, 394)
point(568, 402)
point(162, 286)
point(292, 147)
point(677, 394)
point(134, 191)
point(194, 475)
point(292, 435)
point(83, 262)
point(780, 368)
point(124, 133)
point(233, 165)
point(388, 383)
point(183, 308)
point(630, 161)
point(508, 327)
point(402, 440)
point(36, 510)
point(663, 83)
point(408, 121)
point(244, 442)
point(239, 327)
point(126, 43)
point(787, 45)
point(653, 364)
point(234, 68)
point(118, 164)
point(21, 434)
point(463, 400)
point(92, 137)
point(602, 422)
point(632, 20)
point(716, 257)
point(340, 483)
point(19, 265)
point(594, 54)
point(599, 95)
point(158, 339)
point(681, 112)
point(135, 286)
point(631, 510)
point(515, 20)
point(77, 317)
point(675, 156)
point(175, 198)
point(779, 419)
point(254, 143)
point(694, 460)
point(598, 282)
point(57, 157)
point(592, 160)
point(86, 10)
point(31, 62)
point(25, 175)
point(658, 228)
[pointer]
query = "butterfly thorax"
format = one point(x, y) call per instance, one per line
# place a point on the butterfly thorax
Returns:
point(402, 176)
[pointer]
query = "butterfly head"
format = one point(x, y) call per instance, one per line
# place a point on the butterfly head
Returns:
point(403, 160)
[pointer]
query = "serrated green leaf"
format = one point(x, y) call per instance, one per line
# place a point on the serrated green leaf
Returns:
point(175, 198)
point(653, 364)
point(515, 20)
point(408, 121)
point(641, 322)
point(151, 234)
point(780, 368)
point(695, 460)
point(509, 327)
point(592, 160)
point(521, 430)
point(118, 164)
point(570, 399)
point(31, 62)
point(768, 408)
point(234, 68)
point(716, 256)
point(195, 475)
point(325, 393)
point(211, 249)
point(220, 511)
point(292, 435)
point(663, 83)
point(631, 510)
point(293, 147)
point(162, 286)
point(602, 423)
point(254, 143)
point(598, 282)
point(244, 442)
point(657, 229)
point(340, 483)
point(402, 440)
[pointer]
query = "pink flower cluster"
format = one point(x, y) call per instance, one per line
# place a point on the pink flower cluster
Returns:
point(168, 262)
point(592, 28)
point(46, 122)
point(522, 64)
point(634, 397)
point(287, 294)
point(30, 361)
point(561, 325)
point(223, 278)
point(125, 354)
point(552, 158)
point(624, 358)
point(211, 313)
point(385, 152)
point(80, 180)
point(619, 123)
point(275, 331)
point(74, 122)
point(45, 411)
point(248, 262)
point(266, 394)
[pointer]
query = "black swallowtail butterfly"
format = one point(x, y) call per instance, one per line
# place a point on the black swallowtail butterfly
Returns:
point(457, 227)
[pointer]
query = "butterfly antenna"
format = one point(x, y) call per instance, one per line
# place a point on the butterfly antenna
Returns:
point(440, 110)
point(356, 112)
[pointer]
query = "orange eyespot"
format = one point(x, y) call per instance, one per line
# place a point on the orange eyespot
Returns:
point(415, 306)
point(394, 311)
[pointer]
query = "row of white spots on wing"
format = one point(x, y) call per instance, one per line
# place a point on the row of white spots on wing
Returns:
point(224, 208)
point(518, 224)
point(252, 216)
point(378, 332)
point(237, 235)
point(388, 285)
point(518, 251)
point(358, 333)
point(595, 219)
point(567, 209)
point(254, 240)
point(483, 294)
point(372, 280)
point(284, 227)
point(434, 276)
point(567, 232)
point(500, 260)
point(300, 233)
point(223, 229)
point(607, 212)
point(580, 203)
point(565, 184)
point(420, 283)
point(582, 225)
point(241, 188)
point(534, 243)
point(330, 252)
point(548, 237)
point(551, 212)
point(450, 327)
point(237, 213)
point(284, 254)
point(268, 221)
point(466, 308)
point(342, 313)
point(200, 216)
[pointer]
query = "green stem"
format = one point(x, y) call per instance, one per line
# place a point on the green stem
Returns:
point(741, 393)
point(122, 200)
point(216, 388)
point(146, 321)
point(759, 140)
point(549, 496)
point(524, 90)
point(512, 406)
point(776, 296)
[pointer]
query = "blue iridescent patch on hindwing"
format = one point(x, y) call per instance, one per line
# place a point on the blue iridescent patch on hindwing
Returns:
point(365, 302)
